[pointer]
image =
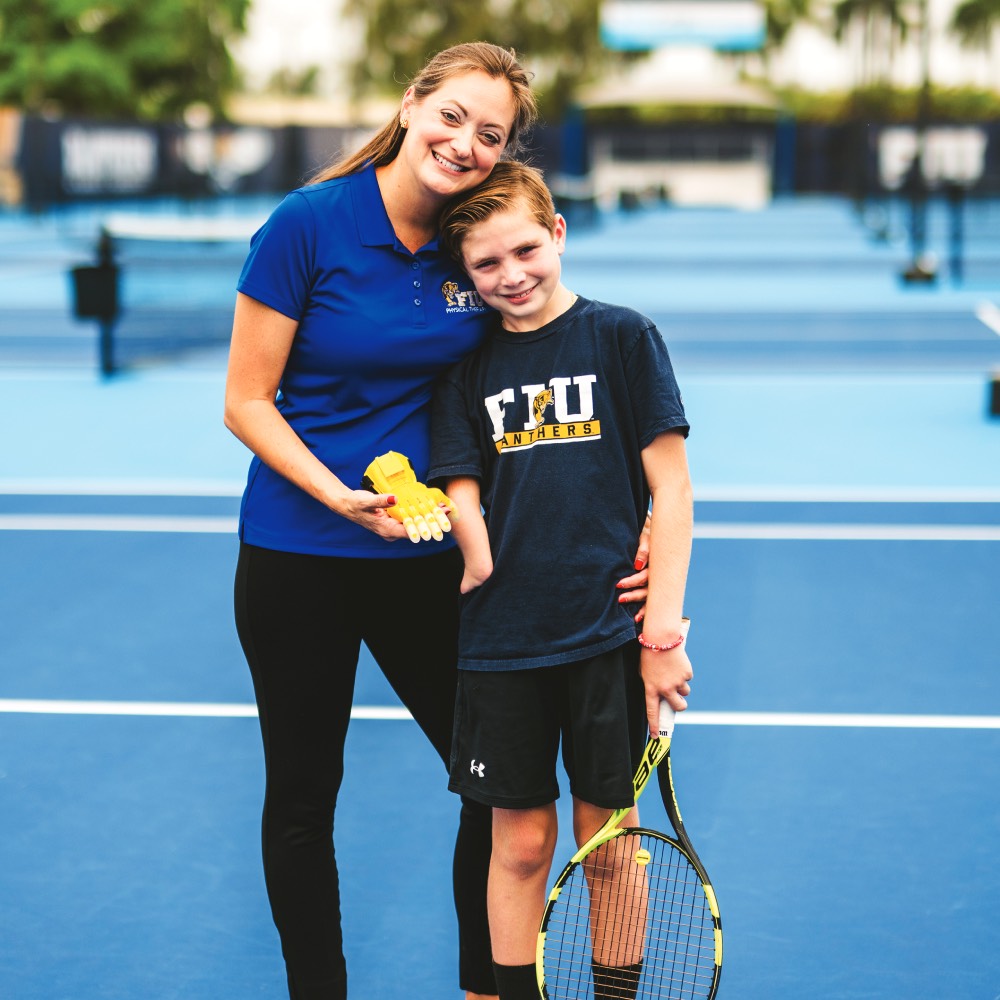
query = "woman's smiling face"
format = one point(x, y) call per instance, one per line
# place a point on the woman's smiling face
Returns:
point(457, 133)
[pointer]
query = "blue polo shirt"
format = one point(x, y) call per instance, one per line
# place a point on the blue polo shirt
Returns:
point(377, 325)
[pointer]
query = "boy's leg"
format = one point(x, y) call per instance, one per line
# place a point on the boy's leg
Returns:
point(504, 753)
point(614, 889)
point(524, 841)
point(588, 819)
point(606, 732)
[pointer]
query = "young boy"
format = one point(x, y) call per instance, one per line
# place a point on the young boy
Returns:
point(563, 426)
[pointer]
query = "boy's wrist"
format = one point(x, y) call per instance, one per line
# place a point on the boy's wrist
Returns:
point(657, 631)
point(663, 645)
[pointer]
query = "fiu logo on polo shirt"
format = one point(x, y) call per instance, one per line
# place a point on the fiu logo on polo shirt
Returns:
point(459, 300)
point(561, 412)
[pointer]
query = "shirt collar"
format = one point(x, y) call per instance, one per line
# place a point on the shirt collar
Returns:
point(374, 227)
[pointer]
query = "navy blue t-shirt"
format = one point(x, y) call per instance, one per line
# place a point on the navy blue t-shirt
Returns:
point(377, 326)
point(553, 423)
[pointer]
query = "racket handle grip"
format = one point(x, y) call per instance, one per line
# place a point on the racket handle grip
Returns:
point(667, 715)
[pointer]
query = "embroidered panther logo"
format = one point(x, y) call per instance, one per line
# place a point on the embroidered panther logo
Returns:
point(461, 300)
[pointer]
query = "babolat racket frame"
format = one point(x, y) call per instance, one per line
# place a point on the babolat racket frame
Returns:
point(633, 914)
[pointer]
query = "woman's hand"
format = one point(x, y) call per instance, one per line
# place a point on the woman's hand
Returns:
point(422, 510)
point(634, 589)
point(370, 511)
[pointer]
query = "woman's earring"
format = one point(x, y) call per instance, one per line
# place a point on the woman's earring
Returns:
point(404, 122)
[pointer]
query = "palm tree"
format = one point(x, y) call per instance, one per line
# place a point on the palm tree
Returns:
point(882, 26)
point(780, 16)
point(975, 21)
point(975, 24)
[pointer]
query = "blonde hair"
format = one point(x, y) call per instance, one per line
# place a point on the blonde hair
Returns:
point(510, 185)
point(469, 57)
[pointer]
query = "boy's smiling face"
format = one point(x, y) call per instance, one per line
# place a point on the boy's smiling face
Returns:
point(514, 262)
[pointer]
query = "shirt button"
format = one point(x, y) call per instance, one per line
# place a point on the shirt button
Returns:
point(416, 302)
point(415, 266)
point(416, 284)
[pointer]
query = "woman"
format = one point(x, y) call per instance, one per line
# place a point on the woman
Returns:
point(347, 311)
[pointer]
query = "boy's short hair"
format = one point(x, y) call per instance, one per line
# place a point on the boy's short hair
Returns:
point(509, 185)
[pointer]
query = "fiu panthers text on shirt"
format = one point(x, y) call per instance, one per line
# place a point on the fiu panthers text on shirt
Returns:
point(560, 412)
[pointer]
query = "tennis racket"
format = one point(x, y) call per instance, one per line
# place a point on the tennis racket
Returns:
point(633, 916)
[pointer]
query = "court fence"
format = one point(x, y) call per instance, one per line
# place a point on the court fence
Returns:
point(45, 162)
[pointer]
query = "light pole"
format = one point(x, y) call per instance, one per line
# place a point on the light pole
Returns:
point(921, 268)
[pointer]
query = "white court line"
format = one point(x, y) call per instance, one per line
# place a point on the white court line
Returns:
point(733, 494)
point(37, 706)
point(822, 720)
point(716, 530)
point(183, 229)
point(122, 487)
point(846, 494)
point(851, 532)
point(118, 522)
point(988, 313)
point(226, 488)
point(812, 720)
point(176, 709)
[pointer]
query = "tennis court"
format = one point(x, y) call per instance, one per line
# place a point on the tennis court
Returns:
point(839, 771)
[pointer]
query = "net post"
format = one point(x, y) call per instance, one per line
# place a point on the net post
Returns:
point(95, 296)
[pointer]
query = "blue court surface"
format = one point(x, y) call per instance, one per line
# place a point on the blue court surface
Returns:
point(839, 769)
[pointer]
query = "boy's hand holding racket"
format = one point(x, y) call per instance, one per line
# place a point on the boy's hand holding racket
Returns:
point(666, 675)
point(422, 510)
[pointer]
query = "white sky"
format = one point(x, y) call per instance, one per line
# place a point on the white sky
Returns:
point(299, 33)
point(296, 34)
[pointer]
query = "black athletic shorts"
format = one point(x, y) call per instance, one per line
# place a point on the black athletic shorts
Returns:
point(508, 725)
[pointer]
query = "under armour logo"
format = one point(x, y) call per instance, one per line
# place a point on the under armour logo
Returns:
point(478, 769)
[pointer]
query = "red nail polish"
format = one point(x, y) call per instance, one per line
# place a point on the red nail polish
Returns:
point(621, 600)
point(638, 564)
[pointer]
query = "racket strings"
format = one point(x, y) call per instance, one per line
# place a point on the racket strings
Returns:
point(631, 922)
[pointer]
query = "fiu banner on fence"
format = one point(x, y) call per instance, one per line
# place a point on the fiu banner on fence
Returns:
point(70, 160)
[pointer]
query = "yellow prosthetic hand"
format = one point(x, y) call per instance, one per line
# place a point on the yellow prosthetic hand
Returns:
point(417, 506)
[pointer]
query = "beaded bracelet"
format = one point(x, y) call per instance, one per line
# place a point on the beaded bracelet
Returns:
point(646, 644)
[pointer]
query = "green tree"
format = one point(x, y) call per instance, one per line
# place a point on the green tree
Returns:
point(149, 59)
point(780, 16)
point(881, 27)
point(557, 39)
point(975, 22)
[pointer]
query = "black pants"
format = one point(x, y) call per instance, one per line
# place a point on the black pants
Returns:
point(301, 620)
